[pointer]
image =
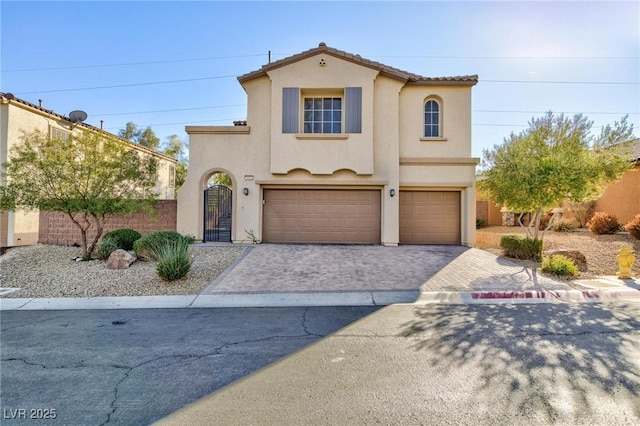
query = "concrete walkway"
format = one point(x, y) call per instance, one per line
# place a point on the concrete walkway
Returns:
point(273, 275)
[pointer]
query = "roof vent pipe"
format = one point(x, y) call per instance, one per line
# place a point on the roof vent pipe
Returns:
point(40, 103)
point(101, 122)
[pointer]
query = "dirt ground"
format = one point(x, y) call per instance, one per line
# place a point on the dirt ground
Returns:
point(599, 250)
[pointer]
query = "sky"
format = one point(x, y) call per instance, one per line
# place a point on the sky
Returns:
point(171, 64)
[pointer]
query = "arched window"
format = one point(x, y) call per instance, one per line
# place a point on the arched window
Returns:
point(432, 119)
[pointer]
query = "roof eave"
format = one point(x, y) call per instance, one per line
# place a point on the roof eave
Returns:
point(467, 81)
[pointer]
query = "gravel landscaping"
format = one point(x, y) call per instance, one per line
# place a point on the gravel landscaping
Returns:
point(599, 250)
point(49, 271)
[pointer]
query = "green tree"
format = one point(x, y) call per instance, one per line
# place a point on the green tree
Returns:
point(220, 179)
point(88, 177)
point(555, 159)
point(146, 137)
point(176, 147)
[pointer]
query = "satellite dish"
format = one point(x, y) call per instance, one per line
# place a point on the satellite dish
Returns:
point(77, 116)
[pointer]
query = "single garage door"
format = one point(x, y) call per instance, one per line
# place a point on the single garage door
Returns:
point(321, 216)
point(429, 217)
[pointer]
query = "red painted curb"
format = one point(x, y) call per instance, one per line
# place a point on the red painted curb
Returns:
point(556, 294)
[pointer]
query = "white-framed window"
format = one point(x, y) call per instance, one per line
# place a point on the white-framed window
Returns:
point(57, 133)
point(322, 110)
point(172, 177)
point(322, 115)
point(432, 119)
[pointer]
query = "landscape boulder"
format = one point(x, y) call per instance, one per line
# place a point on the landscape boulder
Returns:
point(578, 258)
point(120, 259)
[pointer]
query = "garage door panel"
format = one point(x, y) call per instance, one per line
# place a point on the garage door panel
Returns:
point(321, 216)
point(429, 217)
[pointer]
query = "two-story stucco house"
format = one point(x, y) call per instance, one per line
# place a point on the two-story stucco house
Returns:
point(339, 149)
point(17, 116)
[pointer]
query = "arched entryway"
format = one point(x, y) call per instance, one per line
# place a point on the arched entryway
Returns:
point(218, 208)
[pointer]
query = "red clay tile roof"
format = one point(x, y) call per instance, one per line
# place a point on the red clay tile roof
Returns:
point(411, 78)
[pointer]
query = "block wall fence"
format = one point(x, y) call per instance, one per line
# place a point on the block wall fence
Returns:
point(56, 227)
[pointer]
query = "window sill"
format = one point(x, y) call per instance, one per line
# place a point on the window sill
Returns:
point(322, 136)
point(433, 139)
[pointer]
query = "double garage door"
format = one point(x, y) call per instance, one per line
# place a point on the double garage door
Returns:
point(353, 216)
point(321, 216)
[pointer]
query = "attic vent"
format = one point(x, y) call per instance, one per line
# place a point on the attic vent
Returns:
point(323, 63)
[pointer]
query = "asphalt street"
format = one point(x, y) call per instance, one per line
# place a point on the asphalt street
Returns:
point(437, 364)
point(132, 367)
point(512, 364)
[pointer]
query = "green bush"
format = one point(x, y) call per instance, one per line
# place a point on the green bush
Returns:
point(560, 265)
point(144, 247)
point(633, 226)
point(108, 245)
point(520, 247)
point(562, 225)
point(126, 237)
point(173, 258)
point(603, 223)
point(479, 223)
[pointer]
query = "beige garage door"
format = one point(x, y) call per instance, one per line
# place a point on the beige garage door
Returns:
point(429, 217)
point(321, 216)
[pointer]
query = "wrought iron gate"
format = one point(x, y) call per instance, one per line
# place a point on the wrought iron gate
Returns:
point(217, 213)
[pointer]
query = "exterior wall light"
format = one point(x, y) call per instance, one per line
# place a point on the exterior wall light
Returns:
point(392, 192)
point(245, 191)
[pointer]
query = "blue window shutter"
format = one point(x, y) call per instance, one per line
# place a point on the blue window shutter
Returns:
point(353, 109)
point(290, 109)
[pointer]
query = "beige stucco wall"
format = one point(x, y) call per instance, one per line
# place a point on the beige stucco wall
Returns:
point(455, 103)
point(322, 154)
point(621, 198)
point(16, 118)
point(260, 156)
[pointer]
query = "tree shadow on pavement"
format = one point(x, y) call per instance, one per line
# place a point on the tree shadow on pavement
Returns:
point(548, 362)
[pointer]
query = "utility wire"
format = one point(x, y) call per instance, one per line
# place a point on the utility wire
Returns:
point(557, 82)
point(167, 61)
point(173, 124)
point(127, 85)
point(556, 112)
point(169, 110)
point(73, 67)
point(231, 76)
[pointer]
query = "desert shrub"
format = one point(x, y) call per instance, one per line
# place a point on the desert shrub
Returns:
point(633, 226)
point(520, 247)
point(544, 221)
point(173, 258)
point(126, 237)
point(562, 225)
point(479, 223)
point(582, 211)
point(108, 245)
point(560, 265)
point(145, 246)
point(603, 223)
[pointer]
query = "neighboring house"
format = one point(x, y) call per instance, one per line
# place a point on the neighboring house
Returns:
point(621, 198)
point(17, 116)
point(337, 149)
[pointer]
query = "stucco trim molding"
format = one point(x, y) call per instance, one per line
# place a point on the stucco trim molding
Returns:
point(440, 186)
point(434, 139)
point(439, 161)
point(218, 130)
point(280, 183)
point(322, 136)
